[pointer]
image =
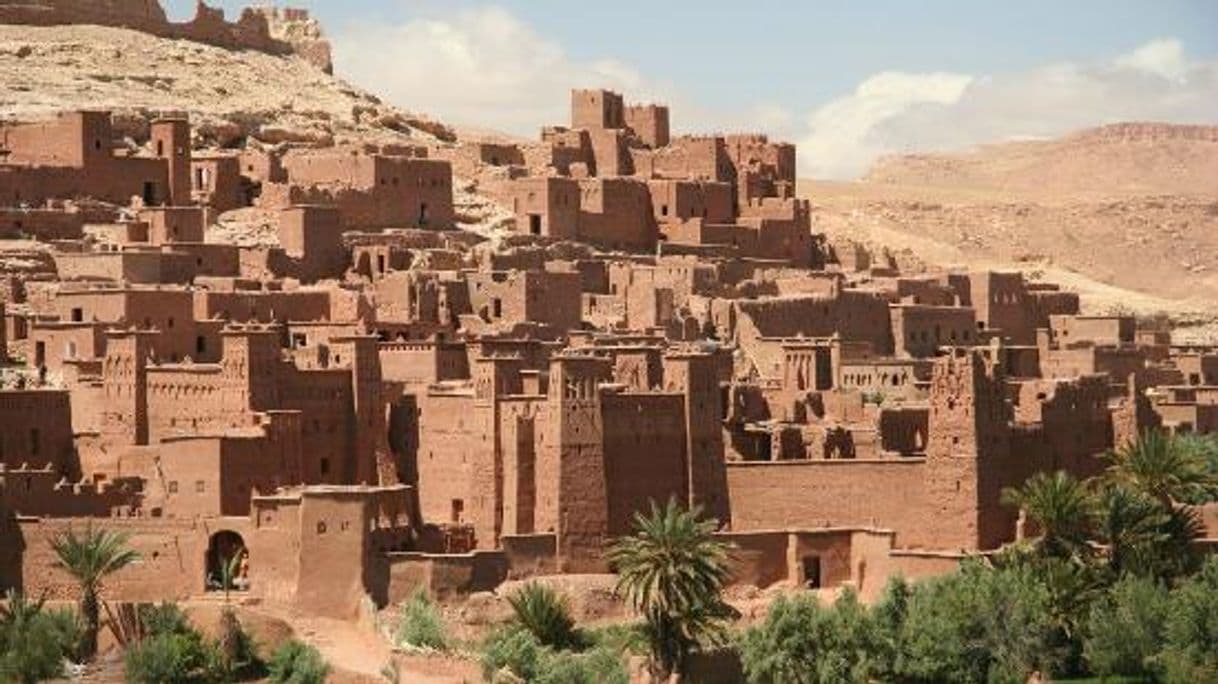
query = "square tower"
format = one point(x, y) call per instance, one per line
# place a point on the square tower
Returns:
point(597, 109)
point(171, 141)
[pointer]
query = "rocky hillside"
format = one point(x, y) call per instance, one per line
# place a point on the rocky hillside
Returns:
point(232, 96)
point(1127, 213)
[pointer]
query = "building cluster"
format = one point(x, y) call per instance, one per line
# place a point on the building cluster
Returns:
point(374, 401)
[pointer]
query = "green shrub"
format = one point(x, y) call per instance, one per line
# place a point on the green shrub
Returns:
point(164, 618)
point(1125, 628)
point(297, 663)
point(1190, 653)
point(545, 614)
point(513, 648)
point(421, 624)
point(595, 666)
point(34, 642)
point(174, 658)
point(517, 650)
point(978, 625)
point(803, 641)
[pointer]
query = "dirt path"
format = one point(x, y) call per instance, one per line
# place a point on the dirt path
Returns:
point(358, 654)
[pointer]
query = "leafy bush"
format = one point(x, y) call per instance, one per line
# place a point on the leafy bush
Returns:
point(421, 625)
point(297, 663)
point(1125, 628)
point(517, 650)
point(174, 658)
point(164, 618)
point(34, 642)
point(1190, 653)
point(978, 625)
point(513, 648)
point(540, 610)
point(802, 641)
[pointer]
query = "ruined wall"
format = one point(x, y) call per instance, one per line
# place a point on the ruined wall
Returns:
point(274, 31)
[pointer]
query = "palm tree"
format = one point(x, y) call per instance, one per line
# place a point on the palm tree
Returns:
point(1130, 524)
point(1164, 467)
point(672, 571)
point(90, 558)
point(1060, 506)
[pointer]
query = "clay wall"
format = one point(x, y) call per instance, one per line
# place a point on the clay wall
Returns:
point(673, 200)
point(544, 206)
point(44, 492)
point(171, 567)
point(137, 267)
point(444, 577)
point(644, 451)
point(450, 432)
point(44, 225)
point(1098, 330)
point(423, 363)
point(216, 182)
point(167, 311)
point(690, 158)
point(650, 123)
point(262, 305)
point(56, 344)
point(918, 330)
point(36, 429)
point(616, 213)
point(1198, 369)
point(817, 493)
point(597, 109)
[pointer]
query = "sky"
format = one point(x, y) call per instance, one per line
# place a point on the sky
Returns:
point(847, 82)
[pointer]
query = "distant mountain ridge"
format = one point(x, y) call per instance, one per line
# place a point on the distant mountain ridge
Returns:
point(1122, 159)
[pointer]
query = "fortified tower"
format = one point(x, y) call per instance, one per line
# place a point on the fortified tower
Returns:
point(125, 384)
point(696, 374)
point(250, 369)
point(372, 461)
point(171, 142)
point(967, 451)
point(572, 498)
point(494, 377)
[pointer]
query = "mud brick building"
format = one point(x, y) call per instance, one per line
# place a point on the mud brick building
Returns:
point(368, 399)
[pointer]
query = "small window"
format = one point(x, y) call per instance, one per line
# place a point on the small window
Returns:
point(200, 486)
point(325, 465)
point(173, 487)
point(35, 441)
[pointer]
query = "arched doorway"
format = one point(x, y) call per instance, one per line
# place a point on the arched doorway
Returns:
point(227, 559)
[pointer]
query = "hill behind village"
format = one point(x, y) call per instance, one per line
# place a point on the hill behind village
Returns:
point(1126, 214)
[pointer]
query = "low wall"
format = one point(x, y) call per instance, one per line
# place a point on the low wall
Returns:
point(530, 555)
point(444, 576)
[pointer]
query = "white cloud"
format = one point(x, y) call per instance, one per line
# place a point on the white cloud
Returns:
point(842, 131)
point(481, 66)
point(1163, 57)
point(901, 112)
